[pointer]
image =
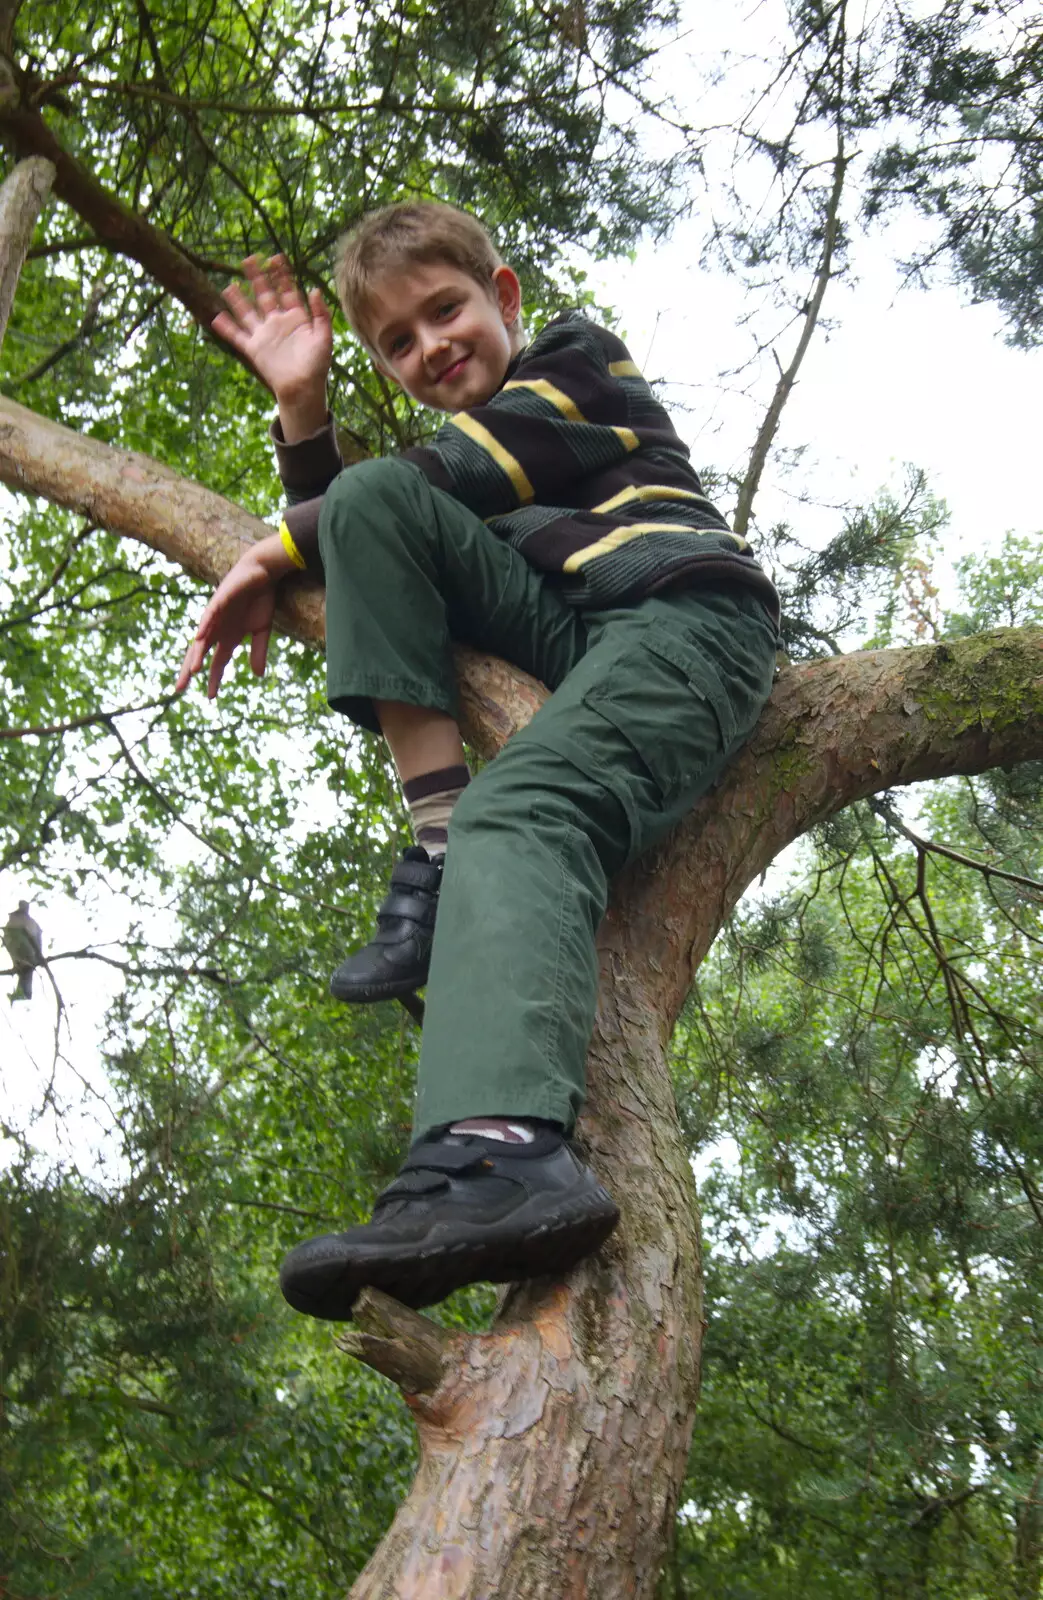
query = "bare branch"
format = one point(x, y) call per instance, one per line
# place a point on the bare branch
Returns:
point(42, 732)
point(788, 376)
point(986, 868)
point(67, 346)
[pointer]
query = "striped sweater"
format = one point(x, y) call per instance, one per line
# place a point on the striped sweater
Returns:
point(575, 463)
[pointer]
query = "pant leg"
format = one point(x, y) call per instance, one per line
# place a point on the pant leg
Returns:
point(408, 569)
point(637, 731)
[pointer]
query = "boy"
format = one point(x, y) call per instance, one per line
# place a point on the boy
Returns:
point(555, 521)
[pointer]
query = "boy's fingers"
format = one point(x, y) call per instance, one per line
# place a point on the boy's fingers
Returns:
point(262, 284)
point(253, 272)
point(226, 328)
point(222, 656)
point(317, 305)
point(194, 658)
point(242, 309)
point(285, 284)
point(259, 651)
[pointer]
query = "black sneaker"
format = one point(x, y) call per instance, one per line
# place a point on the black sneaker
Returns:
point(463, 1209)
point(397, 958)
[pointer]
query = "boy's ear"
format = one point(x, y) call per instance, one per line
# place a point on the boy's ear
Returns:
point(508, 294)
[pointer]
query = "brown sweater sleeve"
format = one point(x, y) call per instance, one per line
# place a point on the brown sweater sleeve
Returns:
point(307, 468)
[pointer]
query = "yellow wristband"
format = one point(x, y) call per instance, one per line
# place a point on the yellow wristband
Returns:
point(291, 549)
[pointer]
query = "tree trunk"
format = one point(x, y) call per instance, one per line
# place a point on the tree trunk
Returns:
point(553, 1448)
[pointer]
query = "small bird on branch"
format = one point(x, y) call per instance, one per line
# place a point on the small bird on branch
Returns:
point(23, 941)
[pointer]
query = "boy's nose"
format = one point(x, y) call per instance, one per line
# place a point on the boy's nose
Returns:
point(434, 344)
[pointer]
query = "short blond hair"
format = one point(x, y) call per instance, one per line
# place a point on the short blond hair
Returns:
point(411, 232)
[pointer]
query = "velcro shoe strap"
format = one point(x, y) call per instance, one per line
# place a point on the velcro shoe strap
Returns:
point(417, 875)
point(409, 905)
point(437, 1157)
point(408, 1184)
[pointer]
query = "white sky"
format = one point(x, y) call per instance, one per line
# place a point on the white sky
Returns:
point(904, 377)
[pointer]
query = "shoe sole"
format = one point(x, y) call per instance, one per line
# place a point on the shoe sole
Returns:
point(422, 1273)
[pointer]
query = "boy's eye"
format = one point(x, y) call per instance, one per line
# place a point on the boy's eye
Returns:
point(399, 344)
point(448, 308)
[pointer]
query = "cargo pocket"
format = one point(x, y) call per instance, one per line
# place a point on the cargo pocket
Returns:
point(665, 697)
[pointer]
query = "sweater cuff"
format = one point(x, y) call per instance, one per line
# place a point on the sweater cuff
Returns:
point(308, 467)
point(432, 466)
point(301, 522)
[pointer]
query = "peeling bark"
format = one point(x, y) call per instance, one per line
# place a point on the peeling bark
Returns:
point(553, 1448)
point(22, 195)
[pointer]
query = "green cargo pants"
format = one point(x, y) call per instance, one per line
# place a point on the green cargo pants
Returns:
point(649, 702)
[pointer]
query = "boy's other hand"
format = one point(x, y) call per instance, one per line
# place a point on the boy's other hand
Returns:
point(287, 339)
point(243, 603)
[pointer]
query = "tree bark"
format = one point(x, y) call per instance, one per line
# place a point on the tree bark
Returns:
point(22, 195)
point(553, 1448)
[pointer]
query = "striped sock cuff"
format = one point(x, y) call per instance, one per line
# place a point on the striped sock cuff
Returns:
point(428, 783)
point(431, 798)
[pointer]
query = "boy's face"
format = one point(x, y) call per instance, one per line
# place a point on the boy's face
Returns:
point(442, 336)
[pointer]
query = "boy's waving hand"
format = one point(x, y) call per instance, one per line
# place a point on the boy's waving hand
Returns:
point(288, 339)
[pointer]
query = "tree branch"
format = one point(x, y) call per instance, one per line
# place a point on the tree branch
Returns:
point(67, 346)
point(119, 229)
point(21, 199)
point(788, 377)
point(409, 1349)
point(925, 846)
point(132, 495)
point(44, 731)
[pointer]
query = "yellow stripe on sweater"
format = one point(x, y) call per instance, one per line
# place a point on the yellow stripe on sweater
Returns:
point(624, 369)
point(633, 530)
point(627, 437)
point(492, 446)
point(289, 545)
point(649, 491)
point(547, 391)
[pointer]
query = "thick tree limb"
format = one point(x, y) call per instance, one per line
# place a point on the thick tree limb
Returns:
point(203, 533)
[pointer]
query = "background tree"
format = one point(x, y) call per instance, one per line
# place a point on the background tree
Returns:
point(163, 1422)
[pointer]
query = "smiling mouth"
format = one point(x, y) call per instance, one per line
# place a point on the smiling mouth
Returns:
point(452, 371)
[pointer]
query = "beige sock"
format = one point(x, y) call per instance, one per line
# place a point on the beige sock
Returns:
point(431, 798)
point(506, 1131)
